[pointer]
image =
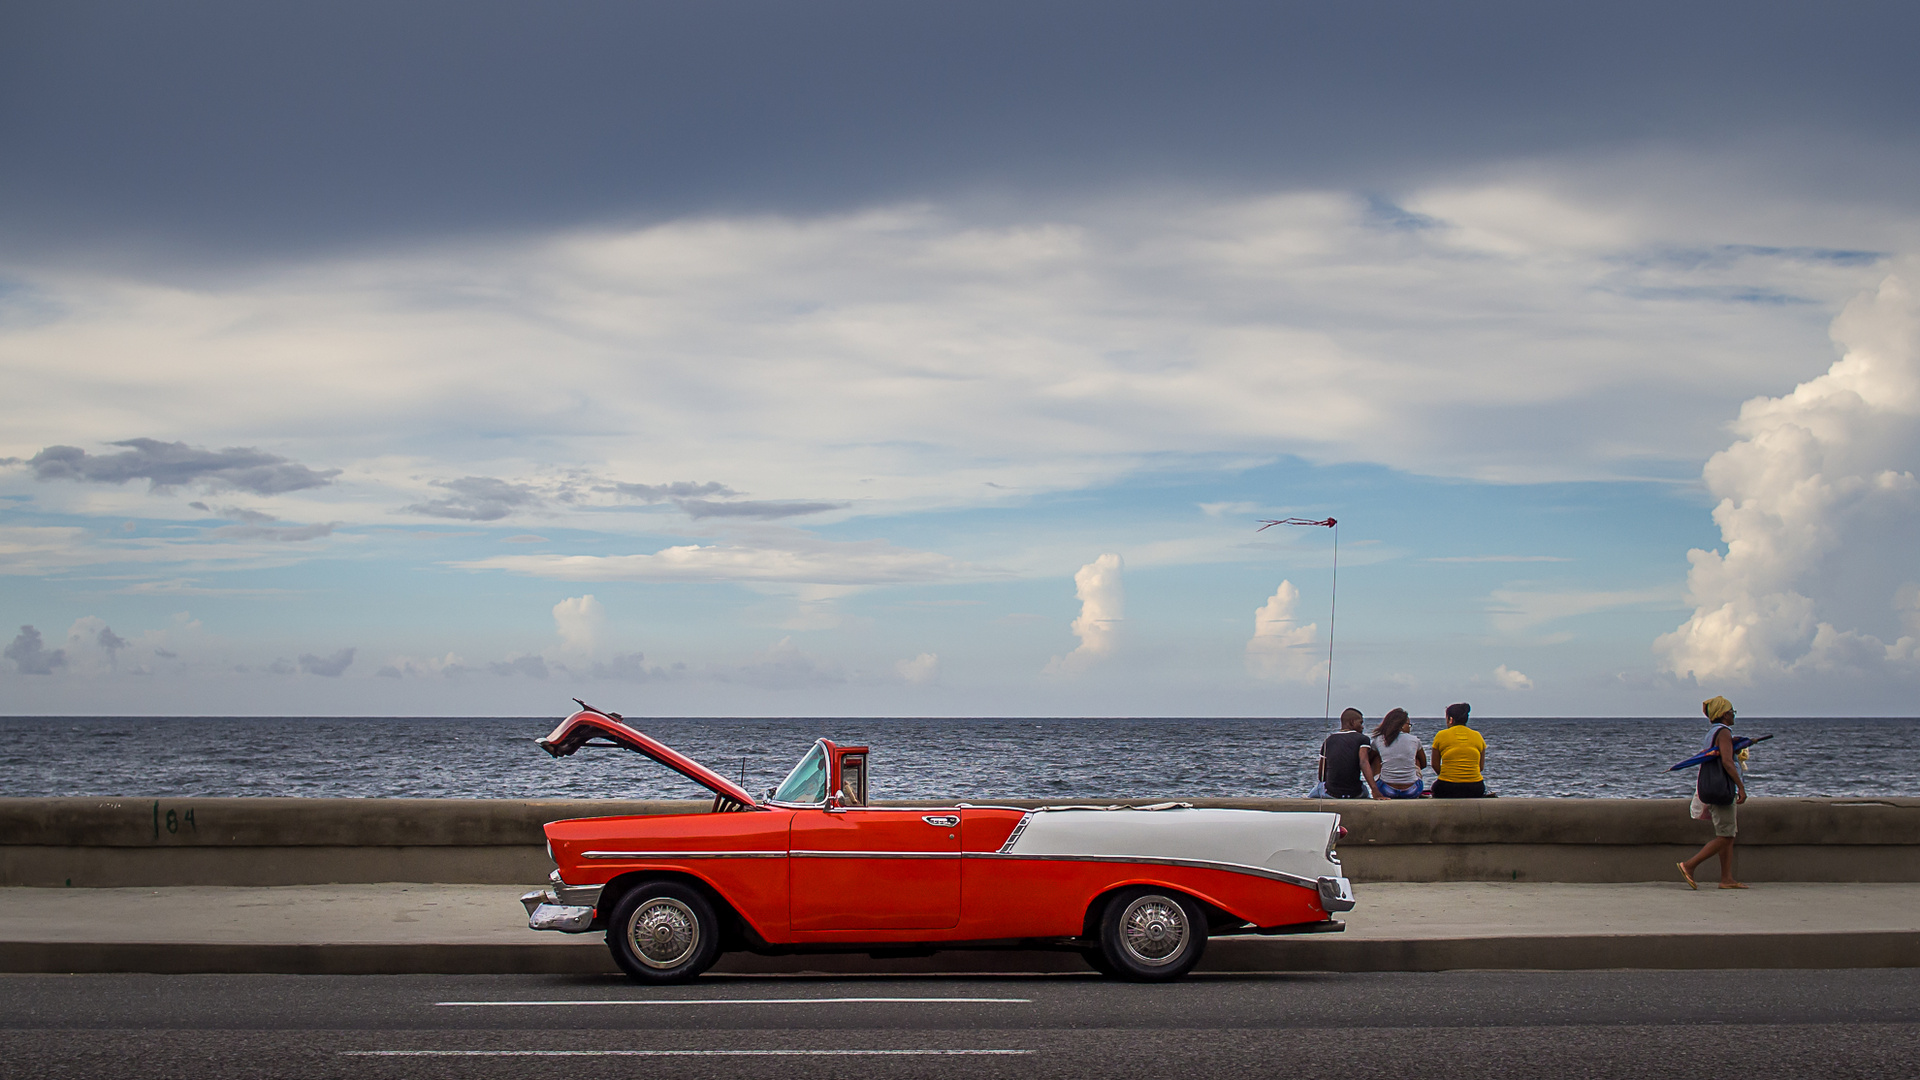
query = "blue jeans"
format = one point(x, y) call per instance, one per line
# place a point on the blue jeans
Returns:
point(1414, 792)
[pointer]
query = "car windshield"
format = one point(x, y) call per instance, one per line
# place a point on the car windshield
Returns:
point(807, 783)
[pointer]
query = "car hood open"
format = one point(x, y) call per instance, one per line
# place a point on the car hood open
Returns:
point(577, 730)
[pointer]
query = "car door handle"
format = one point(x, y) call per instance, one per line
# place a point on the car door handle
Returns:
point(945, 821)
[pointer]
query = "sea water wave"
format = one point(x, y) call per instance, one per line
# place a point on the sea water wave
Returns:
point(963, 759)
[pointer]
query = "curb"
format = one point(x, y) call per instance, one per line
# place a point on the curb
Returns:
point(1871, 949)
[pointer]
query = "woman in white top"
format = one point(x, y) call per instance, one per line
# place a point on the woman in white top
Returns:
point(1397, 759)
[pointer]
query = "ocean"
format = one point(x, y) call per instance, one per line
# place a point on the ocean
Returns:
point(956, 759)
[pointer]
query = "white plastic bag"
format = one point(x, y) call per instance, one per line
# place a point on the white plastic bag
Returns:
point(1697, 809)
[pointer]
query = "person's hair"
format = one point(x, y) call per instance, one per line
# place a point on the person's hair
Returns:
point(1458, 712)
point(1350, 714)
point(1392, 725)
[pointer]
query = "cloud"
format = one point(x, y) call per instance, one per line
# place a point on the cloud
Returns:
point(525, 538)
point(439, 666)
point(750, 508)
point(1496, 559)
point(1282, 649)
point(1508, 679)
point(1514, 609)
point(30, 655)
point(329, 667)
point(92, 647)
point(287, 535)
point(168, 465)
point(698, 500)
point(1102, 596)
point(1818, 509)
point(478, 498)
point(680, 489)
point(920, 670)
point(581, 622)
point(632, 667)
point(781, 667)
point(800, 560)
point(533, 667)
point(1218, 509)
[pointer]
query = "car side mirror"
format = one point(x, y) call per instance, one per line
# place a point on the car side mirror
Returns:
point(837, 802)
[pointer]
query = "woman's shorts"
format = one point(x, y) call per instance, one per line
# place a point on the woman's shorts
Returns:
point(1725, 818)
point(1413, 792)
point(1459, 789)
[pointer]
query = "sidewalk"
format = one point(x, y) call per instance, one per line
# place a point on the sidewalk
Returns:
point(402, 928)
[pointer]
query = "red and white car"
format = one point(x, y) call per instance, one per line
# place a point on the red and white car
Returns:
point(810, 867)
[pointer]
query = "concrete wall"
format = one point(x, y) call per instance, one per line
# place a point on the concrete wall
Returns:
point(135, 842)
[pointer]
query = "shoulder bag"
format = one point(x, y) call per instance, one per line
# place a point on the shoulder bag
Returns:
point(1715, 787)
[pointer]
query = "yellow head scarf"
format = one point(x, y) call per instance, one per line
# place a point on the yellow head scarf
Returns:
point(1716, 708)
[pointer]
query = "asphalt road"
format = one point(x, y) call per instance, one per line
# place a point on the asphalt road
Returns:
point(1692, 1025)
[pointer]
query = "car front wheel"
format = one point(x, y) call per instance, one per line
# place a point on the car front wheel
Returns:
point(663, 932)
point(1152, 935)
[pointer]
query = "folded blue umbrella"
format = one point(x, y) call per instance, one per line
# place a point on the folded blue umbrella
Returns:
point(1739, 743)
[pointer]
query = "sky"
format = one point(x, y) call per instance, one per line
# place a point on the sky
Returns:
point(861, 358)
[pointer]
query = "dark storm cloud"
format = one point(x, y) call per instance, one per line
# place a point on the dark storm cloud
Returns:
point(477, 498)
point(752, 508)
point(168, 465)
point(327, 666)
point(679, 489)
point(531, 666)
point(240, 125)
point(30, 655)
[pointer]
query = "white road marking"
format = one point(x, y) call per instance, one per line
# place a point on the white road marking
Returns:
point(680, 1053)
point(754, 1001)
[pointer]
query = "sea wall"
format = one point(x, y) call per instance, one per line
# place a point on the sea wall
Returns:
point(157, 842)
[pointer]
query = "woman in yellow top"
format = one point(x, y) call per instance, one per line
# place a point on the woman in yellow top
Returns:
point(1459, 753)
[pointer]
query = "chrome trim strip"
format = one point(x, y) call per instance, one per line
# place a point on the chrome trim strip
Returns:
point(877, 854)
point(1018, 828)
point(683, 854)
point(1158, 860)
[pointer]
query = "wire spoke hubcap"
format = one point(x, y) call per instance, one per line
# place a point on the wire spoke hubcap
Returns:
point(1154, 930)
point(663, 932)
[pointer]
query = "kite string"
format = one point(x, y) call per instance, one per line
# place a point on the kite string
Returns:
point(1333, 606)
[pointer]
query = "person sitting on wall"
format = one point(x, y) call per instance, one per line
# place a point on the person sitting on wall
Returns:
point(1459, 755)
point(1395, 759)
point(1340, 772)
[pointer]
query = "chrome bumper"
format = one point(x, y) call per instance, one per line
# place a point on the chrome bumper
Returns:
point(1336, 894)
point(563, 907)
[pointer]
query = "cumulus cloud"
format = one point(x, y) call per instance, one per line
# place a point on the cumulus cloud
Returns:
point(581, 622)
point(1283, 649)
point(168, 465)
point(920, 670)
point(30, 654)
point(1818, 508)
point(797, 560)
point(438, 666)
point(330, 667)
point(92, 647)
point(1508, 679)
point(534, 667)
point(781, 667)
point(478, 498)
point(1102, 597)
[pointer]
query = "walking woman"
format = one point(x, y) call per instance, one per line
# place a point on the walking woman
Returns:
point(1394, 766)
point(1722, 789)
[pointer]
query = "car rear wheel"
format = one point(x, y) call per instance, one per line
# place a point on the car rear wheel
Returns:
point(1152, 935)
point(663, 932)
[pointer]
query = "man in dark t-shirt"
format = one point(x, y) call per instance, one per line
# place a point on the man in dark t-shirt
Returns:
point(1340, 758)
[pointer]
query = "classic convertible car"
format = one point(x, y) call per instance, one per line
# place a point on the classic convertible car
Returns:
point(810, 867)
